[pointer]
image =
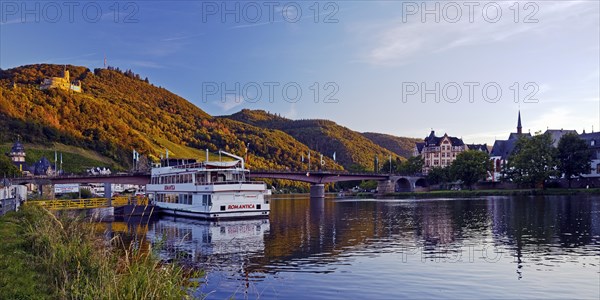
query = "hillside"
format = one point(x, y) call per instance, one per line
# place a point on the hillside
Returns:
point(117, 112)
point(402, 146)
point(352, 149)
point(75, 160)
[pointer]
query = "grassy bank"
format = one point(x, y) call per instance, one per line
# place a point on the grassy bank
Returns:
point(482, 193)
point(45, 257)
point(75, 160)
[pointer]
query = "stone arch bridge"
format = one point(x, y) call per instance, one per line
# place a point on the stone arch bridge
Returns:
point(387, 183)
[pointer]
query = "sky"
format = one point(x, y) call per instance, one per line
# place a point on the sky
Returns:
point(464, 68)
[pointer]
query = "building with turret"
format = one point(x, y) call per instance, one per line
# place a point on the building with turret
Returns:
point(63, 83)
point(502, 149)
point(439, 151)
point(17, 155)
point(41, 167)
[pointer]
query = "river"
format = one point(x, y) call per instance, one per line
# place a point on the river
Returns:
point(491, 247)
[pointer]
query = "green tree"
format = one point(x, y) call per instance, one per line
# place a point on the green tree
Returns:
point(7, 168)
point(385, 166)
point(573, 157)
point(438, 175)
point(368, 185)
point(471, 166)
point(533, 161)
point(414, 165)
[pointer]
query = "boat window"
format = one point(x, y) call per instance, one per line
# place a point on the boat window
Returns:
point(222, 207)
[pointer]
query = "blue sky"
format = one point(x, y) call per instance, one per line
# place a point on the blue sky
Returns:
point(363, 57)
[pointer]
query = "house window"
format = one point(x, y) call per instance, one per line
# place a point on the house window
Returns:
point(598, 169)
point(593, 143)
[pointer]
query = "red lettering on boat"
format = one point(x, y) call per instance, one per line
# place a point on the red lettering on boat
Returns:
point(240, 206)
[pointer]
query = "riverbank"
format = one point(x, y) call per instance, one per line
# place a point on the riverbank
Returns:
point(47, 257)
point(483, 193)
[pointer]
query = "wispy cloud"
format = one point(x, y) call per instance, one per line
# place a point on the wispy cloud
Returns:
point(253, 25)
point(68, 59)
point(146, 64)
point(230, 102)
point(292, 113)
point(181, 37)
point(397, 43)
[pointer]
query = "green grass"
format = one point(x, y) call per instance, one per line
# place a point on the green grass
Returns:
point(75, 160)
point(19, 278)
point(47, 257)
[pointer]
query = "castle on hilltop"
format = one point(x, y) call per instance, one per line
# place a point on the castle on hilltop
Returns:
point(63, 83)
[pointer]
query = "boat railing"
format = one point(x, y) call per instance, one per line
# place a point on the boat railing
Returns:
point(190, 166)
point(229, 182)
point(203, 164)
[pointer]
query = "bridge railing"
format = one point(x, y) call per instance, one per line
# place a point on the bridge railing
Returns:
point(333, 172)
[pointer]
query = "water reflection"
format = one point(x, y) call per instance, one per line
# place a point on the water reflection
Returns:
point(202, 241)
point(539, 241)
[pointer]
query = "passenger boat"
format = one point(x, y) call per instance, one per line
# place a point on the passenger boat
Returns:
point(208, 190)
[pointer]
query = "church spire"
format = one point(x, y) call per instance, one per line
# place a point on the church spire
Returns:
point(519, 128)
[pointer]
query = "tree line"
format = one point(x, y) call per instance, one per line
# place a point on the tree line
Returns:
point(532, 163)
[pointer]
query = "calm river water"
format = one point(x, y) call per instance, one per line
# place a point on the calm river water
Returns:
point(492, 247)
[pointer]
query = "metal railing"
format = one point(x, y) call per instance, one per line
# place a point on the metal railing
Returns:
point(88, 203)
point(7, 205)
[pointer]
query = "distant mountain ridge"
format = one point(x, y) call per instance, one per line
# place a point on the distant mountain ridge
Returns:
point(402, 146)
point(118, 111)
point(352, 148)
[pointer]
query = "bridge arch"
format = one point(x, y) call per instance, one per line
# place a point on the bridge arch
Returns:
point(403, 185)
point(421, 182)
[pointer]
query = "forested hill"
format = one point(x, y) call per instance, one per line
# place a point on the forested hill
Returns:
point(353, 150)
point(118, 111)
point(402, 146)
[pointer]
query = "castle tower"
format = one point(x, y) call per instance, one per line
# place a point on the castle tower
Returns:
point(519, 127)
point(66, 74)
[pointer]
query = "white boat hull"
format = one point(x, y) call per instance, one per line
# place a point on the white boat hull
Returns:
point(216, 215)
